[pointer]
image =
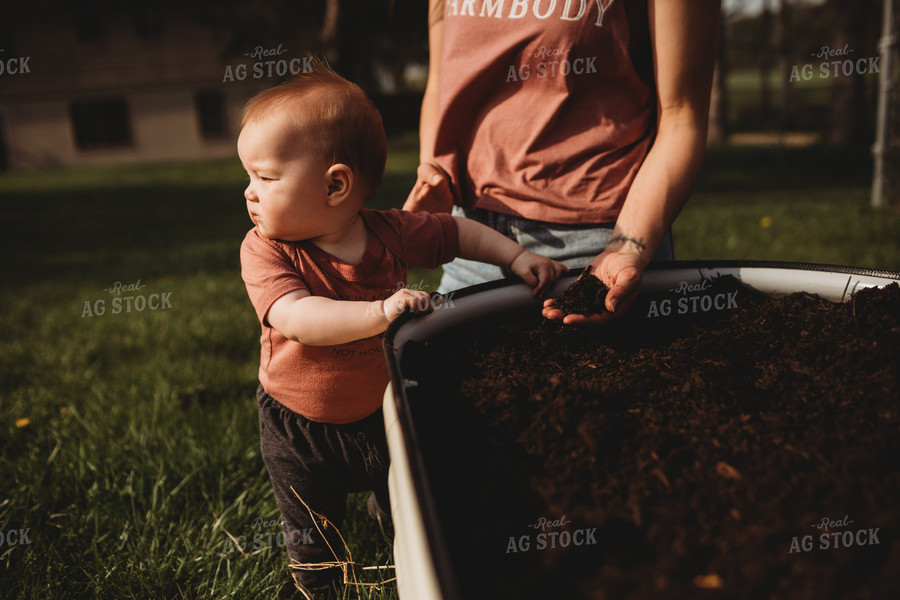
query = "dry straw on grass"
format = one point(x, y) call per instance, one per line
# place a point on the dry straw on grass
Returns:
point(348, 567)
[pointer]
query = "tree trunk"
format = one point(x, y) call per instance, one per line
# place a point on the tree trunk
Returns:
point(785, 60)
point(886, 151)
point(718, 106)
point(848, 117)
point(765, 66)
point(329, 32)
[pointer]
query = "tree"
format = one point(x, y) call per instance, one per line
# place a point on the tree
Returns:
point(718, 107)
point(886, 179)
point(854, 30)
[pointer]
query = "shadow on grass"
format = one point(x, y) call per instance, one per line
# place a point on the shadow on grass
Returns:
point(146, 231)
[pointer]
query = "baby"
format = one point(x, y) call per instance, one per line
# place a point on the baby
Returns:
point(322, 273)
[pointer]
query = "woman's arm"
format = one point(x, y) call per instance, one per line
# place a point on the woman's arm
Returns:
point(684, 36)
point(431, 191)
point(428, 119)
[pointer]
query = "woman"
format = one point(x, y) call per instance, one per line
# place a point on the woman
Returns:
point(576, 127)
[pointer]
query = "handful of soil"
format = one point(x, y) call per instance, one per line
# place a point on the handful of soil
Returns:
point(586, 296)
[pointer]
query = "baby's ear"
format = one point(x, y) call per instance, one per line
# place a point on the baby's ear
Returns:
point(340, 183)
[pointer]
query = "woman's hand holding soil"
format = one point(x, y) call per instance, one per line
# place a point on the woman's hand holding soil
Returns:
point(619, 275)
point(605, 290)
point(621, 271)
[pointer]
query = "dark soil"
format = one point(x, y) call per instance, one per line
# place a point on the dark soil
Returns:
point(696, 459)
point(586, 296)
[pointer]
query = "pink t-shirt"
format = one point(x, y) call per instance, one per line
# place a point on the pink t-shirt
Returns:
point(343, 383)
point(547, 108)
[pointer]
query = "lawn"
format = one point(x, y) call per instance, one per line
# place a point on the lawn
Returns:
point(788, 204)
point(128, 434)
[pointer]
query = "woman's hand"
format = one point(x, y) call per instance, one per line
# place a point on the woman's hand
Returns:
point(431, 192)
point(621, 271)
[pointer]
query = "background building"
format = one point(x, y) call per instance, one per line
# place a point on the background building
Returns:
point(102, 83)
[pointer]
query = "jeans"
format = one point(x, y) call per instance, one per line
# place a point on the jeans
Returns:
point(573, 245)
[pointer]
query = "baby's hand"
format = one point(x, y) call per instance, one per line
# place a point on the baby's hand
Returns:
point(407, 300)
point(537, 271)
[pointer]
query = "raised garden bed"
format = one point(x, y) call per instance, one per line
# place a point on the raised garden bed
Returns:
point(717, 443)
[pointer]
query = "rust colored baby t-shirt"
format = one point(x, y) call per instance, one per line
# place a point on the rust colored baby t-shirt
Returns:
point(547, 108)
point(342, 383)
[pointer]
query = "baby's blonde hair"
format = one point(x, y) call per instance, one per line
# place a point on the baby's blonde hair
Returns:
point(333, 118)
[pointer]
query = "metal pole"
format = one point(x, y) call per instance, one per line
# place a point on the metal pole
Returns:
point(885, 47)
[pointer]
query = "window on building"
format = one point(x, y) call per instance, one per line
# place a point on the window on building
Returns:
point(210, 108)
point(101, 124)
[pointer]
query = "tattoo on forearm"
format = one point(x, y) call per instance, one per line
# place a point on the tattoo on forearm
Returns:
point(624, 239)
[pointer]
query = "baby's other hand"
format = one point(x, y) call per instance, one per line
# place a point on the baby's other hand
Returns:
point(407, 300)
point(537, 271)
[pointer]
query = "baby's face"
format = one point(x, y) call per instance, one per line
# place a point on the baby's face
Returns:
point(288, 188)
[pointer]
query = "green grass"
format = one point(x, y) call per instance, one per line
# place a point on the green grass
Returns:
point(801, 105)
point(140, 455)
point(141, 451)
point(789, 204)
